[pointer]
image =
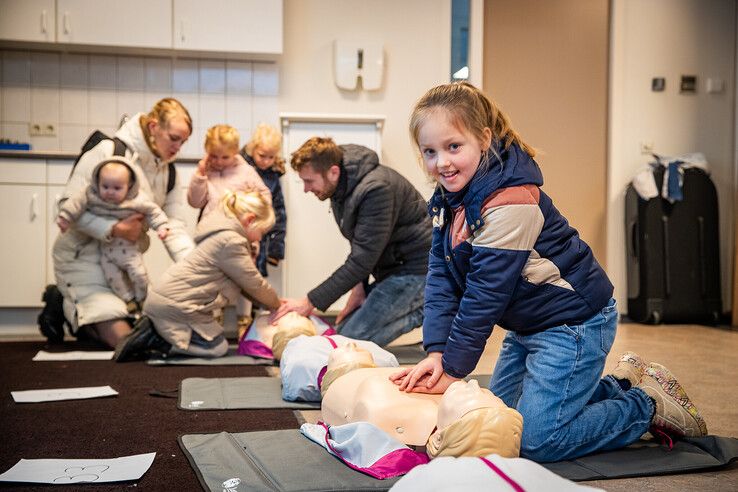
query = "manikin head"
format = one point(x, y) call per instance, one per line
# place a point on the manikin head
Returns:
point(474, 422)
point(290, 326)
point(344, 360)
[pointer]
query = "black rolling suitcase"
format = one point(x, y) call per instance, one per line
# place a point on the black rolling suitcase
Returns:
point(674, 253)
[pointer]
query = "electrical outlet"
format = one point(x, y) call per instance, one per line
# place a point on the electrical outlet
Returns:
point(41, 129)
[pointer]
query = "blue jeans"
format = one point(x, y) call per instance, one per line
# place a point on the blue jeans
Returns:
point(392, 307)
point(553, 379)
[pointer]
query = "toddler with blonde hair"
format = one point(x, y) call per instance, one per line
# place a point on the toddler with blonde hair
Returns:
point(220, 171)
point(263, 153)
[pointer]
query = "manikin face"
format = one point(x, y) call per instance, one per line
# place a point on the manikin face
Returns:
point(321, 186)
point(451, 154)
point(168, 140)
point(113, 182)
point(264, 157)
point(220, 158)
point(349, 354)
point(295, 322)
point(461, 398)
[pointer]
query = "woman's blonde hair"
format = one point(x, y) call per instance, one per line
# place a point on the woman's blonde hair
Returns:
point(223, 137)
point(267, 137)
point(468, 108)
point(165, 110)
point(478, 433)
point(238, 203)
point(290, 326)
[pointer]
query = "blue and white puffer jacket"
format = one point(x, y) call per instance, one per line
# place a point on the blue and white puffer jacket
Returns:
point(503, 254)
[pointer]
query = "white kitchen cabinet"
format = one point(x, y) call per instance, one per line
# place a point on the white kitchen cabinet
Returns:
point(23, 222)
point(132, 23)
point(27, 20)
point(238, 26)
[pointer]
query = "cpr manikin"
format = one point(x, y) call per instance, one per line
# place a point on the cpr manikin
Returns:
point(471, 421)
point(367, 395)
point(290, 326)
point(304, 368)
point(263, 336)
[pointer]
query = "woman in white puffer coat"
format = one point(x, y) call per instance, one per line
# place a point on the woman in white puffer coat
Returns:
point(152, 141)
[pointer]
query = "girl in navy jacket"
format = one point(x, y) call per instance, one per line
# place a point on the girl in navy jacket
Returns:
point(263, 153)
point(503, 254)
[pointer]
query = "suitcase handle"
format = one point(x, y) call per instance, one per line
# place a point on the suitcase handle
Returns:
point(634, 239)
point(667, 272)
point(703, 267)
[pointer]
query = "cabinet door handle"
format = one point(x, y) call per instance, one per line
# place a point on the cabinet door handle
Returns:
point(182, 26)
point(34, 206)
point(43, 22)
point(67, 24)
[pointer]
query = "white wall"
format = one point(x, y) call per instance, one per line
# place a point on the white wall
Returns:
point(416, 38)
point(670, 38)
point(78, 93)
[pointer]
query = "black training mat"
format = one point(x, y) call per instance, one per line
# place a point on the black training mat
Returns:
point(273, 461)
point(236, 394)
point(266, 461)
point(647, 458)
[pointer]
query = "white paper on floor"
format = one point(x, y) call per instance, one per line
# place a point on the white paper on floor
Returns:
point(58, 394)
point(42, 355)
point(61, 471)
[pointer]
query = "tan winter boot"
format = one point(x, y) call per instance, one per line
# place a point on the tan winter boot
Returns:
point(675, 412)
point(243, 324)
point(631, 366)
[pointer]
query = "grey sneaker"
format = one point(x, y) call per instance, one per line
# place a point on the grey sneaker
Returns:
point(631, 366)
point(675, 412)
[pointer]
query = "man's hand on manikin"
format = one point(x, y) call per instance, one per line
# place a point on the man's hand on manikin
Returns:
point(301, 306)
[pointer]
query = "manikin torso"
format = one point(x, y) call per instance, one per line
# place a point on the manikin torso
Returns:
point(368, 395)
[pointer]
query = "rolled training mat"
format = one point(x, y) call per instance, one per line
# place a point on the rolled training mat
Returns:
point(236, 394)
point(232, 358)
point(274, 461)
point(265, 461)
point(407, 354)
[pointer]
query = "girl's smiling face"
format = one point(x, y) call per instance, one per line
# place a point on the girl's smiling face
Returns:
point(451, 154)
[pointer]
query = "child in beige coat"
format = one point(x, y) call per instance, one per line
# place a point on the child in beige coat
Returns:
point(178, 313)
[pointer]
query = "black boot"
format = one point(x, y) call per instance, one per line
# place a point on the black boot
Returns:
point(51, 319)
point(141, 343)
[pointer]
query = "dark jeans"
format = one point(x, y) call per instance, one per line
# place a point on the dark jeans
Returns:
point(392, 307)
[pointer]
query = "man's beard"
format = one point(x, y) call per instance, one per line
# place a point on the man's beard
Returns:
point(328, 192)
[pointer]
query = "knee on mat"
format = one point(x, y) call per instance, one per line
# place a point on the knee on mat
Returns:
point(542, 445)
